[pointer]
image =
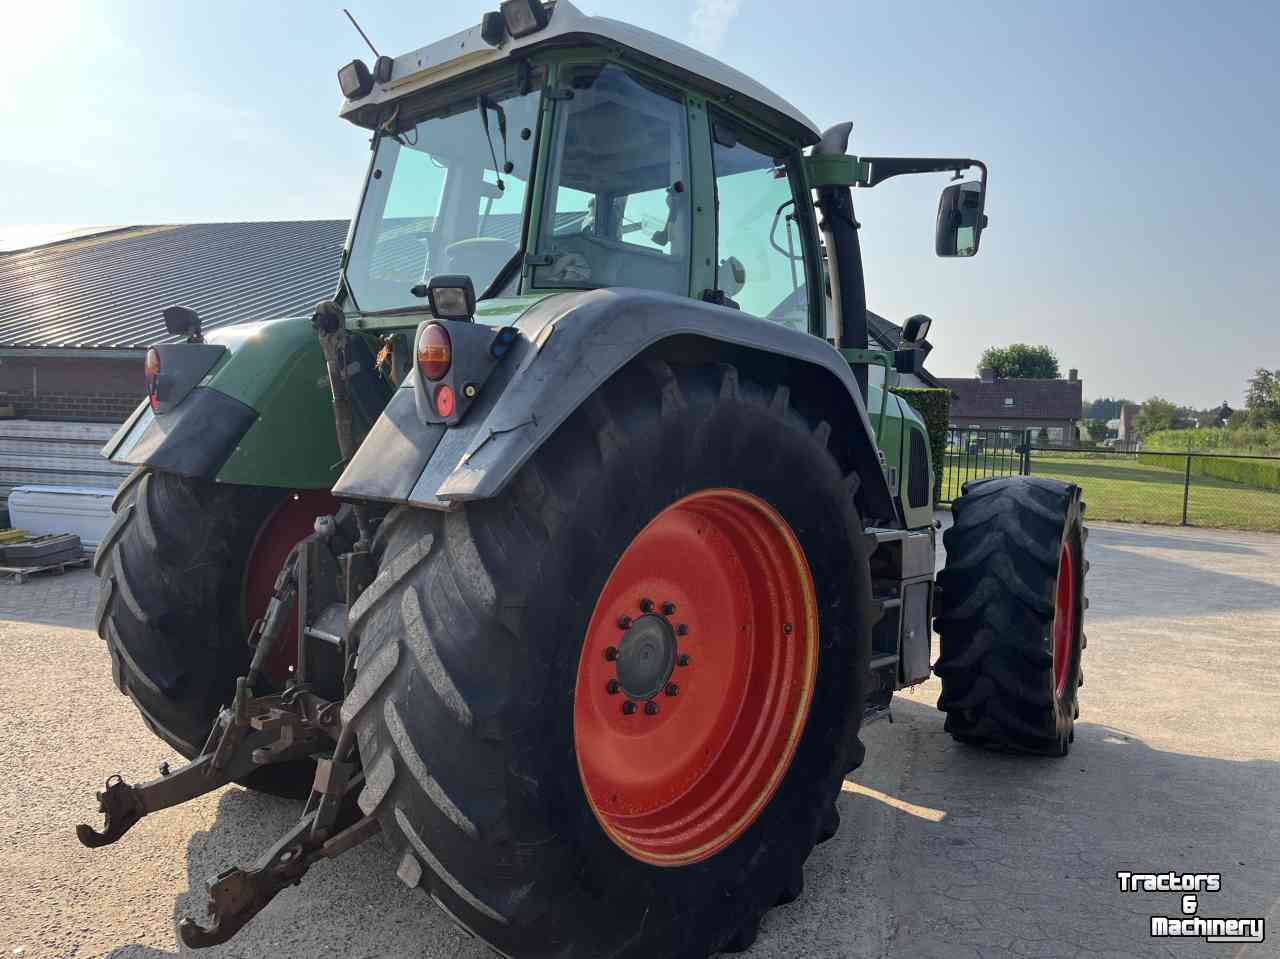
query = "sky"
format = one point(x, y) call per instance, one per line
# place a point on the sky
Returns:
point(1133, 203)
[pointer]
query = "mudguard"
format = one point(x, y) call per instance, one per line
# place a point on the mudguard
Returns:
point(569, 345)
point(257, 414)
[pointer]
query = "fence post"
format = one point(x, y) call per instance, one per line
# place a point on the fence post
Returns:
point(1025, 465)
point(1186, 490)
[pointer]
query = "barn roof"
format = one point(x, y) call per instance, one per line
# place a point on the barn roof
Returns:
point(106, 291)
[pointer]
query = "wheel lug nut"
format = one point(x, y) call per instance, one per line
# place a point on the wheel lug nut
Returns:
point(624, 622)
point(612, 687)
point(682, 629)
point(651, 708)
point(682, 659)
point(668, 608)
point(611, 653)
point(646, 606)
point(672, 689)
point(628, 708)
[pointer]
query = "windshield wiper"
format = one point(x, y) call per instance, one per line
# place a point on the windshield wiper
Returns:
point(486, 104)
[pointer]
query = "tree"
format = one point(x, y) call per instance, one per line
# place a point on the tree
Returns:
point(1262, 401)
point(1158, 413)
point(1223, 414)
point(1106, 408)
point(1096, 427)
point(1021, 361)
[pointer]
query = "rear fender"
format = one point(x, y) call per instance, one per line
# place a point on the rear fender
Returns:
point(570, 344)
point(259, 416)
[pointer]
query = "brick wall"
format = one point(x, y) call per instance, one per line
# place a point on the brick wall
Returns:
point(84, 389)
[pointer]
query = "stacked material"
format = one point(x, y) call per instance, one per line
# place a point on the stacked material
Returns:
point(55, 454)
point(51, 550)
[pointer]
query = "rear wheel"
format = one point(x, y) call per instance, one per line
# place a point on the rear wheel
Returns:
point(1011, 615)
point(181, 574)
point(609, 712)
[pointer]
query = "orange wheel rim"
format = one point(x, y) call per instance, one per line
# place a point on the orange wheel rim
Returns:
point(696, 677)
point(1064, 620)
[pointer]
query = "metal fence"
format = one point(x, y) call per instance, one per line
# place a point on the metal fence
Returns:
point(980, 454)
point(1127, 485)
point(1186, 489)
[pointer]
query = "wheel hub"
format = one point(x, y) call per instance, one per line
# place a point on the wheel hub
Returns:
point(646, 657)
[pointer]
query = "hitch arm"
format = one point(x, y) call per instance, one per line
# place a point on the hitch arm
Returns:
point(238, 744)
point(237, 895)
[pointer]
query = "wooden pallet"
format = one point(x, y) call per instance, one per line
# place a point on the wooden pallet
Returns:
point(20, 573)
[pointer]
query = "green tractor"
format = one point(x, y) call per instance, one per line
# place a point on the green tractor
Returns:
point(575, 539)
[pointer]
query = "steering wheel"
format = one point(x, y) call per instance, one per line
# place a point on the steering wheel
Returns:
point(480, 256)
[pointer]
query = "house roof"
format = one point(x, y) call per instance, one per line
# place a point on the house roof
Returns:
point(106, 291)
point(1032, 399)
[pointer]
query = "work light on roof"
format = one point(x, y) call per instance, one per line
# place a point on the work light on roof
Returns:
point(523, 17)
point(355, 79)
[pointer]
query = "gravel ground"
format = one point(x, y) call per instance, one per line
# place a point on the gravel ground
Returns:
point(944, 852)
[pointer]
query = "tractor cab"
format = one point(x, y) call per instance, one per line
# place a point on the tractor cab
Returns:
point(583, 155)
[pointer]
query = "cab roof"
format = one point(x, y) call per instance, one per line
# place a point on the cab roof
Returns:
point(463, 52)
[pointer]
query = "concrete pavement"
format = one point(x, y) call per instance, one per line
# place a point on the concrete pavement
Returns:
point(945, 851)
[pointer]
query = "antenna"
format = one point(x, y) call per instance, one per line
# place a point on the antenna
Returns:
point(361, 32)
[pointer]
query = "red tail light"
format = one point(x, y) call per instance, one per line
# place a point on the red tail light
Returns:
point(435, 352)
point(445, 401)
point(151, 369)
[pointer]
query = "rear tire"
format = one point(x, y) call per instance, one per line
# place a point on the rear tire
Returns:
point(1011, 614)
point(470, 645)
point(171, 605)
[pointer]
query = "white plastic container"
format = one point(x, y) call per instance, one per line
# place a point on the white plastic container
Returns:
point(83, 510)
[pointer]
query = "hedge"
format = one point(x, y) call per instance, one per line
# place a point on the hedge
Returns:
point(934, 407)
point(1217, 439)
point(1260, 474)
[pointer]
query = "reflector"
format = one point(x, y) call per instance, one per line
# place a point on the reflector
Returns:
point(444, 401)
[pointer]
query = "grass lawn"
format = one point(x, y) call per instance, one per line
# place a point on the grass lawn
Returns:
point(1120, 488)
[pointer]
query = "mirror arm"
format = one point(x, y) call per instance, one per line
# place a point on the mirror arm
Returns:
point(882, 168)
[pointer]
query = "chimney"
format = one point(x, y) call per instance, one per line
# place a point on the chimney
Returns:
point(1073, 375)
point(987, 374)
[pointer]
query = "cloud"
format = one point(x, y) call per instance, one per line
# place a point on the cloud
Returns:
point(709, 20)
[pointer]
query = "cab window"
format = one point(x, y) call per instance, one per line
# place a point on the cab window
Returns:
point(760, 244)
point(617, 207)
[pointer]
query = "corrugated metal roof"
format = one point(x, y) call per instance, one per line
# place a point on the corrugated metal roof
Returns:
point(107, 291)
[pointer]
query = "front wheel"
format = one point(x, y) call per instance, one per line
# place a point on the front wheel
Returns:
point(609, 712)
point(1011, 615)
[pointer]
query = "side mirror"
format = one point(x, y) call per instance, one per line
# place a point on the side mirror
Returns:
point(961, 219)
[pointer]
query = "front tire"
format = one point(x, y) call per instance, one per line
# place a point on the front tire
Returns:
point(482, 636)
point(1011, 615)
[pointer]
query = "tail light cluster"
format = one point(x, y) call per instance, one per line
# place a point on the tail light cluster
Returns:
point(151, 370)
point(453, 359)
